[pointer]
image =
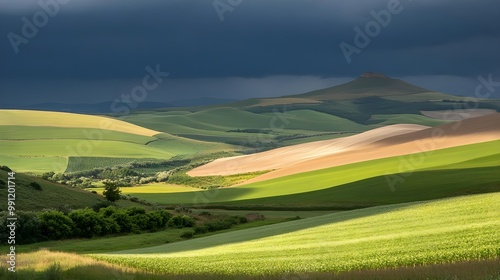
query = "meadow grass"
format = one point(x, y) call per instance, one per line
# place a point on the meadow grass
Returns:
point(131, 241)
point(184, 146)
point(151, 188)
point(19, 132)
point(75, 147)
point(84, 268)
point(434, 232)
point(51, 196)
point(317, 121)
point(218, 124)
point(350, 184)
point(34, 164)
point(383, 120)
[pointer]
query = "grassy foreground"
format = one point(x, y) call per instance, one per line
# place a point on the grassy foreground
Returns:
point(58, 265)
point(435, 232)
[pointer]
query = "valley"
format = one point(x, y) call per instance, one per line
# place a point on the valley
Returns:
point(370, 176)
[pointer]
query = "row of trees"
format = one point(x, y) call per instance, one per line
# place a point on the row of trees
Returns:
point(87, 223)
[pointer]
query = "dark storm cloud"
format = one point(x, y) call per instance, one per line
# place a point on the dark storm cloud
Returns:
point(107, 40)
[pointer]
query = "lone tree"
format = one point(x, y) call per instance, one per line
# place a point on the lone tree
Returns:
point(111, 191)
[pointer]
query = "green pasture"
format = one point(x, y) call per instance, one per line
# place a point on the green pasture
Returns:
point(383, 120)
point(151, 188)
point(440, 231)
point(19, 132)
point(75, 147)
point(402, 173)
point(35, 164)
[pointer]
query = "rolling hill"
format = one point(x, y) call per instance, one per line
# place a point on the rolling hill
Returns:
point(367, 183)
point(50, 196)
point(367, 102)
point(39, 141)
point(439, 231)
point(374, 144)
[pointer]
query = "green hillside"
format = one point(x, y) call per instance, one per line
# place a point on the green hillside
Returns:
point(37, 142)
point(363, 184)
point(362, 86)
point(239, 126)
point(439, 231)
point(51, 195)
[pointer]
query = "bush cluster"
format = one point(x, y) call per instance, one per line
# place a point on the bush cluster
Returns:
point(219, 223)
point(87, 223)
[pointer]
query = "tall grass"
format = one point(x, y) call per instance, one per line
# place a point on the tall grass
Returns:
point(442, 231)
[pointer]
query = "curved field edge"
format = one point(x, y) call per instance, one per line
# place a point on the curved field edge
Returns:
point(48, 118)
point(400, 171)
point(440, 231)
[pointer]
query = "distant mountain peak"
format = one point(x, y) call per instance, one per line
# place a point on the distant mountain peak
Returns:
point(373, 75)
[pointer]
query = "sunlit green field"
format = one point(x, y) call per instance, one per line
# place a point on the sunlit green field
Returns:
point(448, 230)
point(217, 124)
point(37, 142)
point(366, 183)
point(152, 188)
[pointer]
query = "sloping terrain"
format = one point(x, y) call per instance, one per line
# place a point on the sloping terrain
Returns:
point(58, 119)
point(38, 141)
point(288, 156)
point(50, 196)
point(470, 131)
point(447, 230)
point(425, 175)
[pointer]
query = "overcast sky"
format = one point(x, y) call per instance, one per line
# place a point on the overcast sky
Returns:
point(94, 50)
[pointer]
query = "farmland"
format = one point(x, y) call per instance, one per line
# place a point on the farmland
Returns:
point(246, 194)
point(362, 183)
point(33, 141)
point(385, 236)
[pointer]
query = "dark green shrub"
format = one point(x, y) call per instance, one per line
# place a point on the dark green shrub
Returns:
point(200, 230)
point(65, 209)
point(175, 222)
point(102, 204)
point(205, 214)
point(28, 228)
point(135, 211)
point(109, 225)
point(88, 223)
point(111, 191)
point(187, 234)
point(188, 221)
point(5, 168)
point(217, 225)
point(48, 175)
point(123, 220)
point(3, 184)
point(158, 219)
point(56, 225)
point(108, 211)
point(139, 217)
point(35, 186)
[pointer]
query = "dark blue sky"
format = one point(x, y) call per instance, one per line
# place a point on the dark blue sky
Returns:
point(94, 50)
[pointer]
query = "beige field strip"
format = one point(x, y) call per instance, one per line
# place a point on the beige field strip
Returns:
point(70, 120)
point(395, 140)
